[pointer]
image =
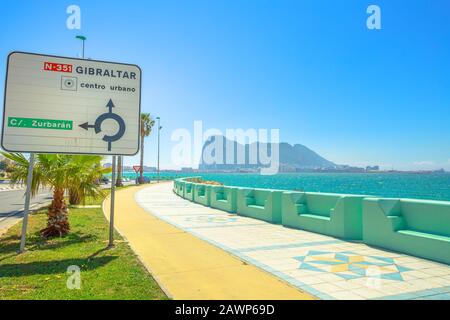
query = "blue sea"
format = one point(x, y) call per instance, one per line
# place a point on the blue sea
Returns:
point(395, 185)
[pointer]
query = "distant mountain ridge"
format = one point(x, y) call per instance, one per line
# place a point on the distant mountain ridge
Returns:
point(291, 157)
point(302, 157)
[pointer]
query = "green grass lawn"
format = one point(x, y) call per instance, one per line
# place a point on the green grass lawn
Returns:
point(41, 272)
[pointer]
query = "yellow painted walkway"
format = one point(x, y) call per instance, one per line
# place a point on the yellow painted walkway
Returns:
point(187, 267)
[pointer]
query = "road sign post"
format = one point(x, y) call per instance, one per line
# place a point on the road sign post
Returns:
point(111, 209)
point(65, 105)
point(27, 203)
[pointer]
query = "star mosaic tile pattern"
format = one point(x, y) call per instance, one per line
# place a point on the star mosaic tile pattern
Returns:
point(349, 265)
point(325, 267)
point(212, 219)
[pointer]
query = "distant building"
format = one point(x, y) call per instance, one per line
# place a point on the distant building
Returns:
point(373, 168)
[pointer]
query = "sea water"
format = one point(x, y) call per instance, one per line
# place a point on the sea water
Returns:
point(395, 185)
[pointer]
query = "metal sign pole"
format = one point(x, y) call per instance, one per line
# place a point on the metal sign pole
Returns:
point(159, 130)
point(111, 214)
point(27, 203)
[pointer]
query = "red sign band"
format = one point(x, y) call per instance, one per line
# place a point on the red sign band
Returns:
point(57, 67)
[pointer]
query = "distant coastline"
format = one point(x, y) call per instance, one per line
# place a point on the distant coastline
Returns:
point(361, 170)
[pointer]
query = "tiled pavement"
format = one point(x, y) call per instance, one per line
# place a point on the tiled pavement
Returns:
point(326, 267)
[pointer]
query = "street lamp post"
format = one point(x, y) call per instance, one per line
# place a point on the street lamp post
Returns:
point(159, 129)
point(83, 39)
point(113, 176)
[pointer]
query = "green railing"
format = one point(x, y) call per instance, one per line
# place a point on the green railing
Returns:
point(416, 227)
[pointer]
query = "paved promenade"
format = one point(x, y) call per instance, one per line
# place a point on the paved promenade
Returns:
point(324, 267)
point(185, 266)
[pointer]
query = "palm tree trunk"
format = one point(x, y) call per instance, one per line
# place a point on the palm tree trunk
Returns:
point(58, 222)
point(74, 197)
point(141, 169)
point(119, 182)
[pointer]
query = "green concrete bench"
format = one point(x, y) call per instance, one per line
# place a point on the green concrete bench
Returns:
point(417, 227)
point(179, 188)
point(175, 186)
point(335, 215)
point(424, 235)
point(262, 204)
point(189, 191)
point(202, 194)
point(224, 198)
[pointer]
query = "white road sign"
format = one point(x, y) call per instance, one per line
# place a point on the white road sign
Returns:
point(66, 105)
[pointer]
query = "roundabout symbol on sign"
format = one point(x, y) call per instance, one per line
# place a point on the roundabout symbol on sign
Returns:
point(98, 123)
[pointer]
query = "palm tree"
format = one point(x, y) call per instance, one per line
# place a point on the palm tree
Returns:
point(147, 123)
point(119, 182)
point(85, 173)
point(60, 173)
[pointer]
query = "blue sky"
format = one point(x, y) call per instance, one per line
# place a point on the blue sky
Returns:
point(310, 68)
